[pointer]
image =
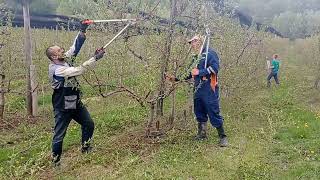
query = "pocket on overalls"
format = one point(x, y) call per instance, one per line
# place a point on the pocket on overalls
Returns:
point(213, 93)
point(70, 102)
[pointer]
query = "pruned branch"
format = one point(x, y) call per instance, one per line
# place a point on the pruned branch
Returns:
point(133, 52)
point(244, 49)
point(130, 92)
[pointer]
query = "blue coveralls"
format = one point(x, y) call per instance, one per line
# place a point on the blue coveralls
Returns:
point(206, 100)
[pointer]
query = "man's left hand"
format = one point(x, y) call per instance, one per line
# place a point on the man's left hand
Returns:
point(98, 54)
point(195, 72)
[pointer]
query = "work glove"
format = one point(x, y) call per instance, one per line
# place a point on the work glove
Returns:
point(98, 54)
point(84, 25)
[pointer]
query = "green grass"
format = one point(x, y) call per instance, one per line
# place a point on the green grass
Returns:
point(16, 103)
point(273, 134)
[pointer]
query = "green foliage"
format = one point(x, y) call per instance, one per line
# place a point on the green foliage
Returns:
point(298, 25)
point(88, 9)
point(36, 6)
point(293, 18)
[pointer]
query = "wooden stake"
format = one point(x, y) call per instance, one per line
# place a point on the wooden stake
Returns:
point(28, 53)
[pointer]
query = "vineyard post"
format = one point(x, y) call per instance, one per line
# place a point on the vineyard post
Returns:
point(28, 61)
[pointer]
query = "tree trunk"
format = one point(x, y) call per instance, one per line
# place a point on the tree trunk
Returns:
point(28, 53)
point(166, 58)
point(2, 100)
point(151, 120)
point(34, 90)
point(57, 34)
point(316, 84)
point(173, 106)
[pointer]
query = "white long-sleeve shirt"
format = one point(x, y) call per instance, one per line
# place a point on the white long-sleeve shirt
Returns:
point(65, 70)
point(64, 74)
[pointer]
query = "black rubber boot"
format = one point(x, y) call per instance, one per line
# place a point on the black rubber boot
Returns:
point(86, 148)
point(202, 131)
point(223, 141)
point(55, 160)
point(268, 84)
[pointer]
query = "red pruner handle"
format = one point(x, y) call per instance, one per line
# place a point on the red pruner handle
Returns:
point(87, 22)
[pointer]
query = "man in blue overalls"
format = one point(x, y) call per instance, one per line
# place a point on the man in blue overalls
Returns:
point(66, 96)
point(206, 95)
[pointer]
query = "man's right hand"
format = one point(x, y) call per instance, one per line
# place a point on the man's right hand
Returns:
point(84, 25)
point(195, 72)
point(98, 54)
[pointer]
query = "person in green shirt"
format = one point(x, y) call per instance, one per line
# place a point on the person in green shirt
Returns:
point(274, 70)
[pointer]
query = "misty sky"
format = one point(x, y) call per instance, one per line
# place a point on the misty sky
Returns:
point(267, 9)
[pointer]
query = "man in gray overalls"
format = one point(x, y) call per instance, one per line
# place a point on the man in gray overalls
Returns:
point(66, 96)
